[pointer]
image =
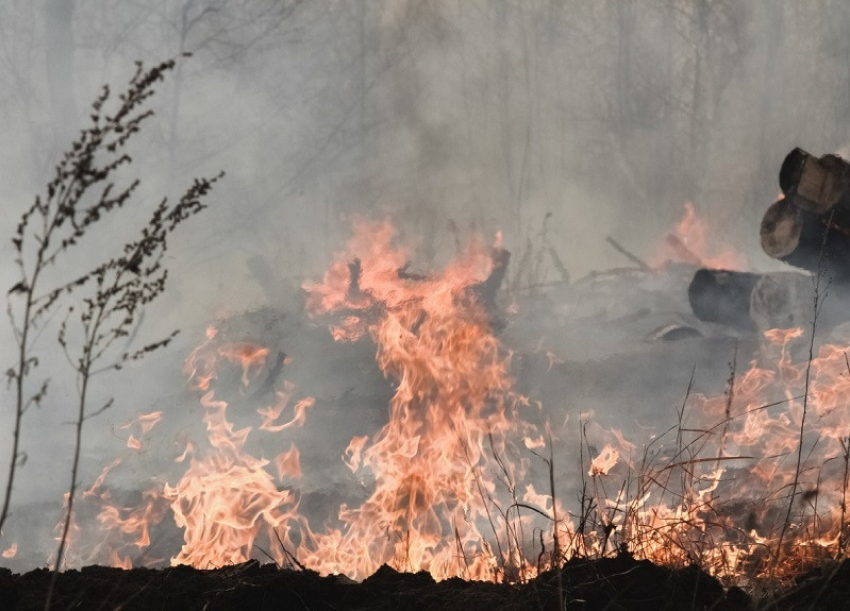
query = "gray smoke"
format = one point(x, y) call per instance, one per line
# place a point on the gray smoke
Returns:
point(558, 123)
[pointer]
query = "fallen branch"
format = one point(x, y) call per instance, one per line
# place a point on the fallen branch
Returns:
point(629, 255)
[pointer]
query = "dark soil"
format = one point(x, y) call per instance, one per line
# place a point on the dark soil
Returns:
point(617, 584)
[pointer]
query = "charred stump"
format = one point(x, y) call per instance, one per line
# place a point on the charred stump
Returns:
point(485, 292)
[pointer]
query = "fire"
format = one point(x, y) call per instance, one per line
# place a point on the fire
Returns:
point(603, 463)
point(227, 498)
point(250, 356)
point(11, 551)
point(739, 454)
point(354, 452)
point(453, 415)
point(453, 430)
point(135, 521)
point(690, 242)
point(449, 481)
point(288, 464)
point(271, 413)
point(146, 422)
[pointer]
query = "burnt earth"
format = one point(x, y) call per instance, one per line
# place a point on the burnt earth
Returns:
point(620, 583)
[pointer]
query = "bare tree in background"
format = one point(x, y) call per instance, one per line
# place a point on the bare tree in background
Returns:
point(219, 33)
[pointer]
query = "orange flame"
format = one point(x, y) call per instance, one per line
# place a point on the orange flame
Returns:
point(272, 413)
point(692, 242)
point(289, 464)
point(452, 414)
point(224, 499)
point(603, 463)
point(146, 422)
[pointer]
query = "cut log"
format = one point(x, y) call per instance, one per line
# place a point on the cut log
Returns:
point(805, 240)
point(817, 185)
point(782, 300)
point(723, 296)
point(781, 228)
point(760, 302)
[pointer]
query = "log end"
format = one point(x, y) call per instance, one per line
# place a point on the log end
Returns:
point(792, 169)
point(722, 296)
point(780, 229)
point(813, 184)
point(822, 184)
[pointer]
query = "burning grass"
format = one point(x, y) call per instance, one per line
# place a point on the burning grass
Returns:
point(463, 479)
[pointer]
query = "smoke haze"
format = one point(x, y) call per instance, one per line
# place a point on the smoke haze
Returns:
point(554, 122)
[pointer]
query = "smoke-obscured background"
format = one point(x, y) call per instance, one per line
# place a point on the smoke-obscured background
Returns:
point(447, 117)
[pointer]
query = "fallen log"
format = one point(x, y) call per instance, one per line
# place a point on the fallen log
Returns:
point(759, 302)
point(803, 239)
point(782, 300)
point(723, 296)
point(785, 300)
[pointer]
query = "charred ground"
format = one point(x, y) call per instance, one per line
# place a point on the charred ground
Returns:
point(620, 582)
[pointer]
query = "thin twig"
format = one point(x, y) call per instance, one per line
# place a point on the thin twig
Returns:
point(643, 265)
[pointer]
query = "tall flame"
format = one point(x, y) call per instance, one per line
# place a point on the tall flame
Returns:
point(451, 418)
